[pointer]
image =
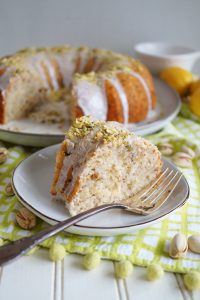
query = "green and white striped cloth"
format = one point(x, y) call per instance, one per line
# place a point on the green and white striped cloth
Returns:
point(141, 248)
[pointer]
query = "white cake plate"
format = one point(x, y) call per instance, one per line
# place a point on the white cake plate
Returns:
point(32, 181)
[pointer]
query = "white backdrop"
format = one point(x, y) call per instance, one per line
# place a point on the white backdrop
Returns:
point(112, 24)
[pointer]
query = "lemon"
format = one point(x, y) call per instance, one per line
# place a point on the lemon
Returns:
point(177, 78)
point(195, 102)
point(195, 85)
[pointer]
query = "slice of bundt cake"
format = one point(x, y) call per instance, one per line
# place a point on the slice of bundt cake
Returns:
point(97, 82)
point(102, 162)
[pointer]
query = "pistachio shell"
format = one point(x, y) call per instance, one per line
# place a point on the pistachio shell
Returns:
point(178, 247)
point(9, 190)
point(188, 151)
point(166, 149)
point(194, 243)
point(25, 218)
point(3, 154)
point(182, 159)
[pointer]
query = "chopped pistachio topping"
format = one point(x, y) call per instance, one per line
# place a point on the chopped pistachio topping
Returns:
point(138, 66)
point(10, 61)
point(59, 95)
point(84, 125)
point(112, 70)
point(17, 58)
point(91, 77)
point(81, 127)
point(109, 134)
point(61, 49)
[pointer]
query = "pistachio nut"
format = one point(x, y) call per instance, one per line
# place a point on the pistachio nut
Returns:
point(3, 154)
point(178, 247)
point(25, 218)
point(9, 190)
point(166, 149)
point(194, 243)
point(188, 151)
point(182, 159)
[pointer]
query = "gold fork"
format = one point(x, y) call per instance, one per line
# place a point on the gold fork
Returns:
point(153, 196)
point(145, 202)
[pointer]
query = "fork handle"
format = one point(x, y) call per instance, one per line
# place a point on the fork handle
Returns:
point(15, 249)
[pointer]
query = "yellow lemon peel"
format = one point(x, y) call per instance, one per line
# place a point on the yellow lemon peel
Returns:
point(194, 103)
point(194, 86)
point(177, 78)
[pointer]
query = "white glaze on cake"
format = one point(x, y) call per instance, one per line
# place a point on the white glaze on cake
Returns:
point(146, 88)
point(118, 86)
point(83, 55)
point(52, 73)
point(5, 78)
point(77, 154)
point(34, 62)
point(97, 63)
point(66, 62)
point(92, 99)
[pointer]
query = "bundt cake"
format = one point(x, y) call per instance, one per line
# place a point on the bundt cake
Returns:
point(102, 162)
point(101, 83)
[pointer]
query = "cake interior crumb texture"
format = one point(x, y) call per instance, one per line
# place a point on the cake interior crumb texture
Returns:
point(101, 162)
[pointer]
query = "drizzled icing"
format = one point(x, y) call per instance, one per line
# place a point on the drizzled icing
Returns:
point(92, 99)
point(42, 75)
point(34, 62)
point(83, 54)
point(5, 78)
point(52, 74)
point(77, 154)
point(97, 63)
point(116, 83)
point(146, 88)
point(67, 65)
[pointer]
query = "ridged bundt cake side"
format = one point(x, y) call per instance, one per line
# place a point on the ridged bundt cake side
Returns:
point(105, 84)
point(100, 163)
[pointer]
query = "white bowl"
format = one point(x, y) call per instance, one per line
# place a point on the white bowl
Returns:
point(159, 56)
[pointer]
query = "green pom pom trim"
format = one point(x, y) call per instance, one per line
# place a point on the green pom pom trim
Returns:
point(91, 260)
point(154, 272)
point(123, 269)
point(57, 252)
point(192, 280)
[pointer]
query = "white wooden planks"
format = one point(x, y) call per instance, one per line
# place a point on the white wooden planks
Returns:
point(37, 278)
point(30, 277)
point(98, 284)
point(139, 288)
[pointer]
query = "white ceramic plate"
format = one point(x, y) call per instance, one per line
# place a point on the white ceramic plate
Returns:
point(32, 180)
point(29, 133)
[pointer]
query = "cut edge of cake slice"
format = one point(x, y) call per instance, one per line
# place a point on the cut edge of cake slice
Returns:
point(102, 162)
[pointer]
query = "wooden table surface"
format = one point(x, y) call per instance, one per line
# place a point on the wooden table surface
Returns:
point(37, 278)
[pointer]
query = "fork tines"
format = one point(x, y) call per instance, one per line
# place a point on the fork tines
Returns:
point(156, 193)
point(163, 185)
